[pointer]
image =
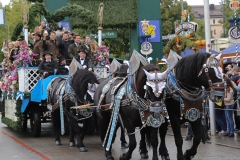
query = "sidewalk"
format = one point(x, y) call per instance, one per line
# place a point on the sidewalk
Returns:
point(233, 142)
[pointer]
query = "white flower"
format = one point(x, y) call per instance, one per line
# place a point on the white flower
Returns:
point(11, 86)
point(84, 66)
point(14, 82)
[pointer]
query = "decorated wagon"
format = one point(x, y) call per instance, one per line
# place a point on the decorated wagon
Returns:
point(24, 94)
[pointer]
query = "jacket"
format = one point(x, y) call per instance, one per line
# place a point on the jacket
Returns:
point(63, 47)
point(52, 46)
point(237, 87)
point(228, 100)
point(73, 50)
point(38, 49)
point(12, 53)
point(87, 62)
point(47, 67)
point(63, 69)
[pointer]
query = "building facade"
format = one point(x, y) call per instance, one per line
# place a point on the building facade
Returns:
point(216, 15)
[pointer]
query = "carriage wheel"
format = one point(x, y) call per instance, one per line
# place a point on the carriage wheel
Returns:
point(36, 124)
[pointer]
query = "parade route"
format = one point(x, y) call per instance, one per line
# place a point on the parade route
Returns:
point(43, 148)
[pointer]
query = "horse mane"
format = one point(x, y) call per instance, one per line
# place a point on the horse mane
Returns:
point(188, 68)
point(80, 82)
point(122, 71)
point(141, 78)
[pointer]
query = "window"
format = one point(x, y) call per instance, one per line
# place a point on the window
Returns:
point(213, 21)
point(214, 31)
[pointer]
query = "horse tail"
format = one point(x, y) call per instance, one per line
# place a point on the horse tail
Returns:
point(148, 136)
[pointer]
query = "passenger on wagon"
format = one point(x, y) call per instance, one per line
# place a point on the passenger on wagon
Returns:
point(63, 69)
point(48, 66)
point(84, 60)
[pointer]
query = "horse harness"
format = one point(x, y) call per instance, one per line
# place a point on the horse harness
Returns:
point(65, 92)
point(179, 92)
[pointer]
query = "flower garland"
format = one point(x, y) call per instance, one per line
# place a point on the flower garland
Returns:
point(102, 55)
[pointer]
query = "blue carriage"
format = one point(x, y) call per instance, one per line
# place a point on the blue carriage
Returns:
point(29, 103)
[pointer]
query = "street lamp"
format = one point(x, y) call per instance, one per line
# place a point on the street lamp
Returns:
point(25, 19)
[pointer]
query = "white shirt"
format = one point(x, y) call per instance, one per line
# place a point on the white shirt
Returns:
point(82, 61)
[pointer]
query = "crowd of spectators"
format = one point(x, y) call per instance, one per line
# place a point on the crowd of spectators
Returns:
point(61, 45)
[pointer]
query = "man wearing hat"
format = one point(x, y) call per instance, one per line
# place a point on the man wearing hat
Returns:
point(21, 40)
point(38, 45)
point(48, 66)
point(63, 69)
point(84, 60)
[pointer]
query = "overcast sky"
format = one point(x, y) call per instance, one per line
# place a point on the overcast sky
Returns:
point(200, 2)
point(5, 2)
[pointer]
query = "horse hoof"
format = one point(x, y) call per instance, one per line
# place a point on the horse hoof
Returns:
point(124, 145)
point(110, 158)
point(58, 143)
point(144, 155)
point(71, 144)
point(83, 149)
point(165, 157)
point(123, 157)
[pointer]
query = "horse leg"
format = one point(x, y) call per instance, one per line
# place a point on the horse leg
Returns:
point(71, 135)
point(71, 131)
point(124, 143)
point(154, 142)
point(142, 146)
point(81, 133)
point(103, 122)
point(132, 143)
point(56, 127)
point(176, 127)
point(163, 152)
point(197, 132)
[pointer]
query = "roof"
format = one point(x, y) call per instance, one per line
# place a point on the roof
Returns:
point(188, 52)
point(231, 49)
point(215, 11)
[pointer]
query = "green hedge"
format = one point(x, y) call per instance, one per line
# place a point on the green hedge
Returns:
point(18, 125)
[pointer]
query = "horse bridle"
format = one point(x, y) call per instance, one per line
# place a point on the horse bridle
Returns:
point(214, 88)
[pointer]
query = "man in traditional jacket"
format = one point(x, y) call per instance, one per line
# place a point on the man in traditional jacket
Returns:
point(48, 66)
point(51, 45)
point(38, 46)
point(73, 48)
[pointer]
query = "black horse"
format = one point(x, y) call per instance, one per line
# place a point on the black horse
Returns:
point(184, 92)
point(129, 115)
point(70, 94)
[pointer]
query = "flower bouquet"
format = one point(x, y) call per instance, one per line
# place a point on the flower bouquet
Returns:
point(9, 81)
point(102, 56)
point(24, 58)
point(6, 64)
